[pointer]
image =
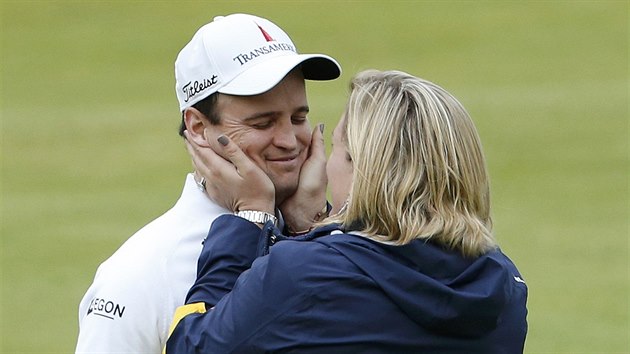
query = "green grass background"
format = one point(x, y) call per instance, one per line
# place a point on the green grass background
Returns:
point(90, 151)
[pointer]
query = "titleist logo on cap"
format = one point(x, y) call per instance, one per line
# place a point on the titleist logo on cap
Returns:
point(193, 88)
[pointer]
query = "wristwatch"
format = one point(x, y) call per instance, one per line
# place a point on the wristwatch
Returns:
point(258, 217)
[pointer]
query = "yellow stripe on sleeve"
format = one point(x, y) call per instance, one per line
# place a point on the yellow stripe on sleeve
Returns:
point(183, 311)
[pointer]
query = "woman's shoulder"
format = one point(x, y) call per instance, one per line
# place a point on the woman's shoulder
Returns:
point(320, 239)
point(310, 254)
point(310, 248)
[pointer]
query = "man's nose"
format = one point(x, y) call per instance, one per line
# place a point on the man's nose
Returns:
point(285, 135)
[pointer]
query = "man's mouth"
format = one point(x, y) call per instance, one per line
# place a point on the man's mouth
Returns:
point(283, 158)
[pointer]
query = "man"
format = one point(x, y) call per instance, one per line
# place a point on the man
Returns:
point(241, 76)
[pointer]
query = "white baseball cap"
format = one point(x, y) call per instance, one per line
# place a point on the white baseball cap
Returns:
point(242, 55)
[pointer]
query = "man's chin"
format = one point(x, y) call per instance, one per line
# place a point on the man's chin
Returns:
point(284, 191)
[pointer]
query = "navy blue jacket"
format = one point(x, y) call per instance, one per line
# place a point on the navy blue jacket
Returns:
point(343, 293)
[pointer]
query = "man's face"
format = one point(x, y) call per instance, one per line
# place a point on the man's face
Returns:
point(272, 129)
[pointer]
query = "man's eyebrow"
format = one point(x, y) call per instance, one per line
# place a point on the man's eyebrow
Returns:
point(273, 114)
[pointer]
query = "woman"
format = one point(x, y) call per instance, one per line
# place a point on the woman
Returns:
point(407, 264)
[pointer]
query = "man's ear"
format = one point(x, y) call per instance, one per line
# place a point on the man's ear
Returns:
point(196, 124)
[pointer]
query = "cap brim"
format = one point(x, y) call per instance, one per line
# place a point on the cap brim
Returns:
point(264, 76)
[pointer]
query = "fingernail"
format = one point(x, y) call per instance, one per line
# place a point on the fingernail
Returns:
point(321, 127)
point(223, 140)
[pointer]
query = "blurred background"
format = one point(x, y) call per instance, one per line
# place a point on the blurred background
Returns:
point(90, 151)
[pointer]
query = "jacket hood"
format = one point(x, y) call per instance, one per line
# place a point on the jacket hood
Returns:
point(438, 289)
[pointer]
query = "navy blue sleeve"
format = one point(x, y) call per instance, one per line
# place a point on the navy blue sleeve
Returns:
point(233, 243)
point(242, 320)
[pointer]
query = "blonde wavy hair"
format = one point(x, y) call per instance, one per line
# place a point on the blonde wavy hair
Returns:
point(419, 168)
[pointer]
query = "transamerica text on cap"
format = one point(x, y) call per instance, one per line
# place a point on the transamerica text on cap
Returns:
point(244, 58)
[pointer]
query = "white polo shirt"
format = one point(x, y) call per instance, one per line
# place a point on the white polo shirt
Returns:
point(130, 305)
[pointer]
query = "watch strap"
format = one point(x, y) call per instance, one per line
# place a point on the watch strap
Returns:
point(258, 217)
